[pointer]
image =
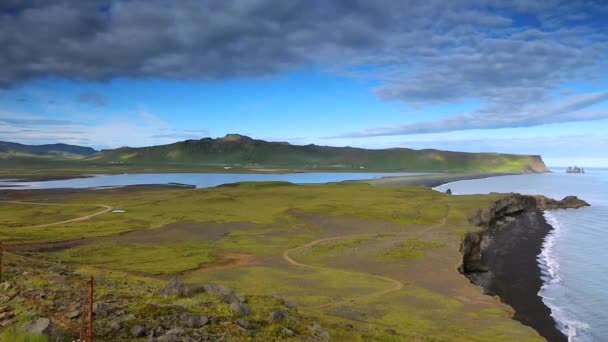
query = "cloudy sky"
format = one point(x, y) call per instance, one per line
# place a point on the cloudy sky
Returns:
point(496, 75)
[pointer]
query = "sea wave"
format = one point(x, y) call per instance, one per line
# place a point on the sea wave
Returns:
point(553, 289)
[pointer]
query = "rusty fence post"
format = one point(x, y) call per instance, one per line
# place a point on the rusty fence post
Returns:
point(92, 284)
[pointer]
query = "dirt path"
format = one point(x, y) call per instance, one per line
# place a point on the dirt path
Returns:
point(106, 209)
point(396, 284)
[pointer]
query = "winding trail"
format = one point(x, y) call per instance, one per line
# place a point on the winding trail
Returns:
point(396, 284)
point(106, 209)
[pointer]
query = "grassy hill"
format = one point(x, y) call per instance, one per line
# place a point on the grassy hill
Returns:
point(235, 150)
point(10, 149)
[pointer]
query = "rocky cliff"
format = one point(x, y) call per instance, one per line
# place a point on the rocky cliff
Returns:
point(498, 215)
point(501, 257)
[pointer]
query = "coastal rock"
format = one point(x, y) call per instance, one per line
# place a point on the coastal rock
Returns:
point(498, 215)
point(568, 202)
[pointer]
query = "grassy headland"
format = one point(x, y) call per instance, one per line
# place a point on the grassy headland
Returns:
point(361, 262)
point(237, 154)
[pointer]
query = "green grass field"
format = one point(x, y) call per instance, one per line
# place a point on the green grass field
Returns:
point(366, 262)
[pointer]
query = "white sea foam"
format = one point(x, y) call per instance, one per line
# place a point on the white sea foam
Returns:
point(553, 289)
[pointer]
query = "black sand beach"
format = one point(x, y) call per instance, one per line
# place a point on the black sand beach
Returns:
point(514, 273)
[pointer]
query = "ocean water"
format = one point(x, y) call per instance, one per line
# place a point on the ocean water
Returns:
point(574, 259)
point(201, 180)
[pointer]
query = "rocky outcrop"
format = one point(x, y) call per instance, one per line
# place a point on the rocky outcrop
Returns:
point(498, 215)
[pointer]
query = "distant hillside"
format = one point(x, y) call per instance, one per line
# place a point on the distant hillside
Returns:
point(242, 151)
point(54, 150)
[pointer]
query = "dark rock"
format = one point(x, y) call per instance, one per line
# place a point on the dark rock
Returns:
point(286, 302)
point(241, 309)
point(568, 202)
point(100, 310)
point(114, 325)
point(175, 286)
point(224, 292)
point(498, 215)
point(196, 321)
point(73, 314)
point(244, 324)
point(448, 191)
point(277, 316)
point(137, 331)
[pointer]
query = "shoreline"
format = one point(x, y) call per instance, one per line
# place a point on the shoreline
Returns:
point(502, 256)
point(515, 274)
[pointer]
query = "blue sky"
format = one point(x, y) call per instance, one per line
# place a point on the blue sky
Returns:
point(527, 77)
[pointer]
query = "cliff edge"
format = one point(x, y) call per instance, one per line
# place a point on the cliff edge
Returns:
point(502, 256)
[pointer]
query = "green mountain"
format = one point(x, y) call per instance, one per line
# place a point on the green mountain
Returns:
point(10, 149)
point(235, 150)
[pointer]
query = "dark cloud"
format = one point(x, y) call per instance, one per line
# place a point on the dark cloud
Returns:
point(420, 52)
point(93, 98)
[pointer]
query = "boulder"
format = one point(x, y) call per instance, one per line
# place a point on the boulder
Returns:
point(137, 331)
point(175, 286)
point(241, 309)
point(287, 332)
point(318, 332)
point(277, 316)
point(39, 326)
point(286, 302)
point(244, 324)
point(224, 292)
point(167, 338)
point(73, 314)
point(196, 321)
point(114, 325)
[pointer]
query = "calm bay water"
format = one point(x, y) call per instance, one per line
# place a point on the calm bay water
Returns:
point(574, 255)
point(200, 180)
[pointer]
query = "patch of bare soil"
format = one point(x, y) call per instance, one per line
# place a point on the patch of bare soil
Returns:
point(229, 260)
point(183, 231)
point(329, 225)
point(173, 232)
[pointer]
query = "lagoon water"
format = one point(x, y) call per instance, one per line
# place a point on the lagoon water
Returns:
point(200, 180)
point(574, 260)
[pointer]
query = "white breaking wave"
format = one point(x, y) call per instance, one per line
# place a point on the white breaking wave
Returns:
point(553, 288)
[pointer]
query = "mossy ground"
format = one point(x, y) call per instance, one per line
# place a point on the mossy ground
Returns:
point(409, 235)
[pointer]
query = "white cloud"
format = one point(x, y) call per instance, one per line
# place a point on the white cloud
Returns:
point(569, 110)
point(118, 129)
